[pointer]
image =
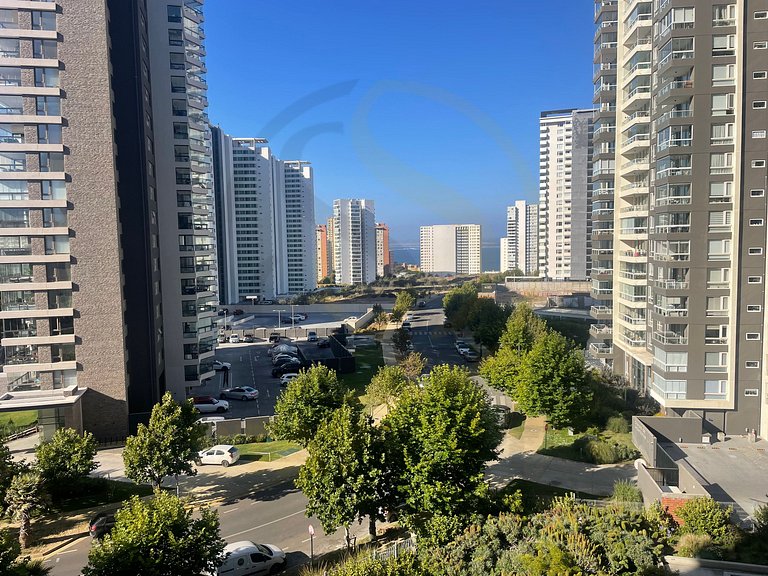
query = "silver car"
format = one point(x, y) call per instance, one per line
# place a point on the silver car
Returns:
point(240, 393)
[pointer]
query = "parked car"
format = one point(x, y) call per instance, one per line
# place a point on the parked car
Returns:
point(422, 304)
point(274, 337)
point(286, 379)
point(219, 365)
point(312, 336)
point(240, 393)
point(248, 338)
point(408, 317)
point(234, 339)
point(296, 318)
point(100, 525)
point(280, 359)
point(471, 356)
point(242, 558)
point(288, 367)
point(283, 349)
point(221, 454)
point(324, 343)
point(222, 338)
point(267, 302)
point(406, 325)
point(208, 404)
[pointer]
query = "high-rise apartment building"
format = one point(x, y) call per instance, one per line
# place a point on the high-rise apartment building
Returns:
point(324, 266)
point(689, 263)
point(354, 241)
point(266, 217)
point(520, 247)
point(382, 250)
point(451, 249)
point(185, 200)
point(88, 337)
point(565, 211)
point(603, 174)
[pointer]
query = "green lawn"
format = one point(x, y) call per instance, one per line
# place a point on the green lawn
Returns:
point(267, 451)
point(23, 419)
point(559, 443)
point(368, 361)
point(534, 489)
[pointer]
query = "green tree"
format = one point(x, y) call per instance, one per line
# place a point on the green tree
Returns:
point(440, 438)
point(413, 365)
point(168, 446)
point(456, 304)
point(342, 477)
point(404, 302)
point(8, 469)
point(502, 368)
point(25, 498)
point(487, 321)
point(12, 564)
point(387, 385)
point(66, 459)
point(380, 320)
point(704, 515)
point(553, 380)
point(159, 537)
point(522, 329)
point(309, 399)
point(400, 339)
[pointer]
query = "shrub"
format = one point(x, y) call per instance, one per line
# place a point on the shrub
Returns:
point(618, 424)
point(692, 545)
point(702, 515)
point(595, 450)
point(626, 491)
point(760, 519)
point(241, 439)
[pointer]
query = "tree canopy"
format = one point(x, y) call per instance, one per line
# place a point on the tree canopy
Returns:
point(168, 446)
point(387, 385)
point(66, 459)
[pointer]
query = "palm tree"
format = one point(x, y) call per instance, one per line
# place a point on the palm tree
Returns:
point(24, 498)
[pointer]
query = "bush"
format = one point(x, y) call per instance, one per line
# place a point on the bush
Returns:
point(241, 439)
point(760, 519)
point(626, 491)
point(595, 450)
point(692, 545)
point(618, 425)
point(703, 515)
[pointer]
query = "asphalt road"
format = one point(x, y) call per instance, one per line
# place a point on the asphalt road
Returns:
point(432, 339)
point(274, 516)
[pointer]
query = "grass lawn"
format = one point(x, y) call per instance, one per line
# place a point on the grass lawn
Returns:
point(368, 361)
point(545, 491)
point(22, 419)
point(559, 443)
point(267, 451)
point(101, 492)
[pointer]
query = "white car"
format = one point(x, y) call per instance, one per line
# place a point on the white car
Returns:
point(234, 339)
point(297, 318)
point(221, 454)
point(242, 558)
point(219, 365)
point(208, 404)
point(286, 379)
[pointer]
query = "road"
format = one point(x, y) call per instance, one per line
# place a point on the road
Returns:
point(274, 515)
point(431, 339)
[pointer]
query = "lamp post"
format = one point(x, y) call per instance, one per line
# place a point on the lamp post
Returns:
point(278, 317)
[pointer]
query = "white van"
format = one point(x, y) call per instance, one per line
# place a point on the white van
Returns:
point(246, 557)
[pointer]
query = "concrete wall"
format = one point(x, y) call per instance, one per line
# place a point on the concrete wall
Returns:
point(542, 288)
point(701, 567)
point(673, 429)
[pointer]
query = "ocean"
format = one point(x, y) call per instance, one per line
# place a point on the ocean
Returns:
point(489, 254)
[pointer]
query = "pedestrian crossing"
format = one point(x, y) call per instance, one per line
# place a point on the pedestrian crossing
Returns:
point(431, 333)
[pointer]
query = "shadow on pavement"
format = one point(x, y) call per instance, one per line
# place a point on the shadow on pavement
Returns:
point(231, 486)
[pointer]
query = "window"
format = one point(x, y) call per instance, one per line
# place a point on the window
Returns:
point(755, 279)
point(720, 191)
point(761, 15)
point(756, 221)
point(762, 45)
point(716, 362)
point(178, 84)
point(175, 37)
point(720, 163)
point(179, 107)
point(46, 77)
point(723, 75)
point(753, 335)
point(757, 193)
point(174, 14)
point(751, 392)
point(755, 251)
point(44, 49)
point(49, 134)
point(758, 163)
point(722, 133)
point(716, 334)
point(752, 364)
point(714, 389)
point(760, 75)
point(754, 307)
point(719, 249)
point(43, 20)
point(720, 221)
point(758, 133)
point(724, 15)
point(51, 162)
point(717, 305)
point(724, 45)
point(177, 61)
point(722, 104)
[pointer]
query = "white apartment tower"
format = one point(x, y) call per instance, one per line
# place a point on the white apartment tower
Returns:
point(520, 247)
point(451, 249)
point(354, 241)
point(565, 218)
point(265, 210)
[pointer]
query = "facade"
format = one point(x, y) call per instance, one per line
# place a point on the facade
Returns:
point(565, 210)
point(383, 261)
point(450, 249)
point(324, 266)
point(265, 216)
point(184, 178)
point(603, 174)
point(690, 239)
point(520, 247)
point(354, 241)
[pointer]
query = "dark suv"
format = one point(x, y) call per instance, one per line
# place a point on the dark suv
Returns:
point(288, 367)
point(274, 337)
point(100, 525)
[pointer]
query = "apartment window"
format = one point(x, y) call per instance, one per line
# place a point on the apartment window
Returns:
point(716, 362)
point(723, 75)
point(752, 364)
point(757, 193)
point(177, 61)
point(756, 221)
point(54, 190)
point(722, 133)
point(761, 15)
point(758, 104)
point(724, 15)
point(753, 335)
point(758, 163)
point(179, 107)
point(714, 389)
point(755, 251)
point(43, 20)
point(174, 14)
point(49, 134)
point(754, 279)
point(47, 106)
point(180, 131)
point(758, 133)
point(46, 77)
point(723, 104)
point(753, 392)
point(721, 163)
point(762, 45)
point(178, 84)
point(51, 162)
point(720, 191)
point(720, 221)
point(175, 37)
point(44, 49)
point(724, 45)
point(717, 305)
point(760, 75)
point(716, 334)
point(754, 308)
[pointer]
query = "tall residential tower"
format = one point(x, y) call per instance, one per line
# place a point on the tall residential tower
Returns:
point(451, 249)
point(354, 241)
point(520, 247)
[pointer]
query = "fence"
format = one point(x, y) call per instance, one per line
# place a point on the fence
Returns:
point(394, 549)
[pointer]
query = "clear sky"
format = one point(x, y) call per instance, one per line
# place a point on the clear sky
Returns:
point(428, 107)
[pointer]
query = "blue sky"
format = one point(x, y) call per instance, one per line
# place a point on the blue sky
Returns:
point(428, 107)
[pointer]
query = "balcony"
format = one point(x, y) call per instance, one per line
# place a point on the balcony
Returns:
point(600, 330)
point(633, 320)
point(672, 228)
point(602, 193)
point(601, 272)
point(671, 311)
point(672, 92)
point(637, 98)
point(632, 275)
point(672, 200)
point(638, 140)
point(600, 312)
point(674, 143)
point(600, 349)
point(633, 340)
point(670, 338)
point(634, 208)
point(671, 284)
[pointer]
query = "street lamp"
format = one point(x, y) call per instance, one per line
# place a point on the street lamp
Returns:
point(278, 317)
